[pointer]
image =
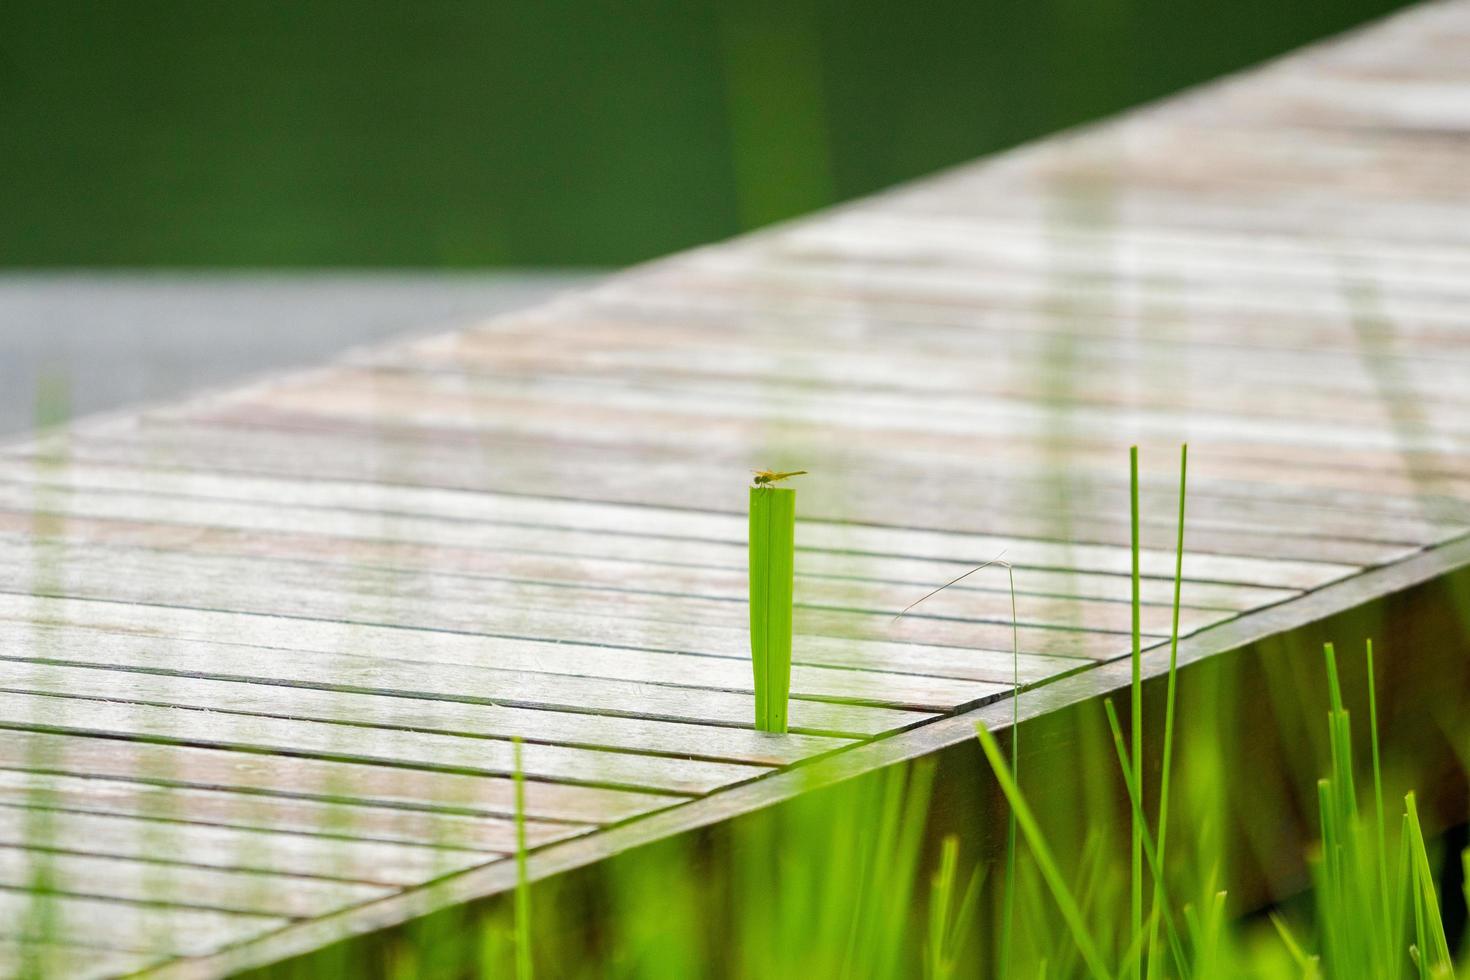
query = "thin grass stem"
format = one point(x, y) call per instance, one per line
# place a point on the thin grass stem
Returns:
point(1169, 700)
point(1008, 893)
point(1045, 861)
point(1136, 895)
point(523, 885)
point(1378, 788)
point(1130, 782)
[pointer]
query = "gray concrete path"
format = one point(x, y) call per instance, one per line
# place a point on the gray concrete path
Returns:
point(105, 340)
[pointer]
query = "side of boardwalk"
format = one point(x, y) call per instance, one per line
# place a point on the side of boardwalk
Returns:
point(265, 653)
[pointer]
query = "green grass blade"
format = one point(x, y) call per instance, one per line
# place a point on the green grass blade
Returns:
point(1130, 782)
point(965, 916)
point(1093, 873)
point(1169, 701)
point(1340, 741)
point(772, 578)
point(1403, 881)
point(1332, 915)
point(523, 885)
point(1305, 963)
point(1045, 861)
point(941, 894)
point(1136, 896)
point(1133, 953)
point(1434, 948)
point(1334, 686)
point(1386, 921)
point(1008, 887)
point(949, 925)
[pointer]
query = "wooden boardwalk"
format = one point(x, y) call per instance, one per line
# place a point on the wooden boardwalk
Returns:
point(290, 630)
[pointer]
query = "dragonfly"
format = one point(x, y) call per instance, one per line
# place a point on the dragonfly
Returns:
point(764, 478)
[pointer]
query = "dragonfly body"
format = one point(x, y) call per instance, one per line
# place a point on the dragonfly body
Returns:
point(764, 478)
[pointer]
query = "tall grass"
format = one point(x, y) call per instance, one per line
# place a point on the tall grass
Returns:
point(830, 885)
point(1359, 919)
point(524, 969)
point(840, 884)
point(887, 875)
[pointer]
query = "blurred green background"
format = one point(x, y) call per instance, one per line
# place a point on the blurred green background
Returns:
point(542, 132)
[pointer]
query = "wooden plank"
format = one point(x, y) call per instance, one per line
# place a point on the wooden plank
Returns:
point(528, 611)
point(1034, 357)
point(756, 272)
point(927, 741)
point(337, 858)
point(677, 575)
point(456, 459)
point(1014, 387)
point(701, 356)
point(818, 591)
point(162, 883)
point(1158, 256)
point(154, 764)
point(22, 958)
point(472, 605)
point(88, 714)
point(436, 646)
point(135, 798)
point(255, 444)
point(446, 459)
point(151, 929)
point(669, 703)
point(446, 698)
point(1215, 514)
point(670, 417)
point(1286, 469)
point(852, 606)
point(529, 553)
point(1041, 344)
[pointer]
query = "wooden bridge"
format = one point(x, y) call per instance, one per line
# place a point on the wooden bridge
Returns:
point(292, 629)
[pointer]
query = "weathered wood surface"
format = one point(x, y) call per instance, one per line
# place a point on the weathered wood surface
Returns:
point(264, 655)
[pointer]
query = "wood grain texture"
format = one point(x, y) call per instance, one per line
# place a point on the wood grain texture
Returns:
point(79, 962)
point(111, 926)
point(317, 609)
point(90, 706)
point(171, 766)
point(229, 808)
point(370, 862)
point(154, 882)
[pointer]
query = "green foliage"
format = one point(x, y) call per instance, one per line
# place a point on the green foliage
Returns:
point(516, 133)
point(833, 882)
point(949, 925)
point(1359, 920)
point(827, 887)
point(523, 889)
